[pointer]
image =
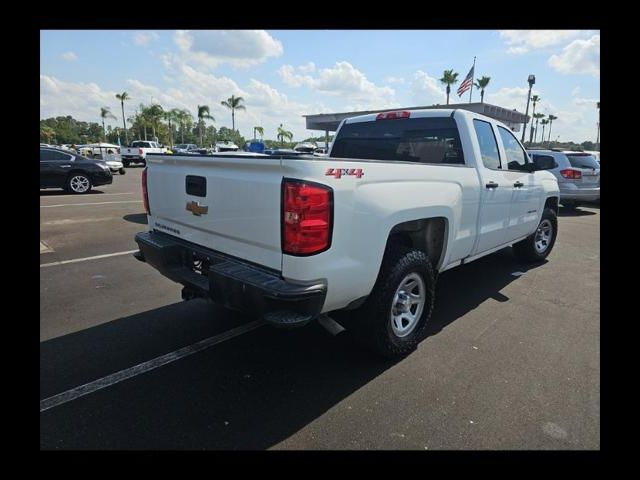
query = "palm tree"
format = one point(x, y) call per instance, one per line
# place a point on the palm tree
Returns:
point(234, 103)
point(481, 84)
point(535, 99)
point(172, 115)
point(260, 130)
point(544, 123)
point(155, 113)
point(598, 137)
point(282, 134)
point(551, 119)
point(537, 116)
point(203, 114)
point(47, 132)
point(122, 97)
point(105, 113)
point(449, 77)
point(184, 119)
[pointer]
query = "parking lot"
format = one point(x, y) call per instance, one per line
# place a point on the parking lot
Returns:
point(512, 360)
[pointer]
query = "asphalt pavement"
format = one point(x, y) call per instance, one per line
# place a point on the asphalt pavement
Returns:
point(512, 360)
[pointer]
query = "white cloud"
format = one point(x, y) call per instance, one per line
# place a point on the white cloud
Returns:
point(427, 90)
point(69, 56)
point(586, 102)
point(576, 91)
point(240, 48)
point(397, 80)
point(343, 80)
point(144, 38)
point(509, 97)
point(580, 56)
point(521, 41)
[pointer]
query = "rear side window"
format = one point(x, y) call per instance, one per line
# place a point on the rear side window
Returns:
point(420, 140)
point(488, 144)
point(583, 161)
point(516, 156)
point(49, 155)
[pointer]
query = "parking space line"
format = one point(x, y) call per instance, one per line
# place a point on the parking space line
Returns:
point(141, 368)
point(76, 260)
point(92, 203)
point(99, 195)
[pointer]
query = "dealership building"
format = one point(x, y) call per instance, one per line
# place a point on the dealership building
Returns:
point(329, 122)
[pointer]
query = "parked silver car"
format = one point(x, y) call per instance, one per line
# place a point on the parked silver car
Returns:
point(578, 175)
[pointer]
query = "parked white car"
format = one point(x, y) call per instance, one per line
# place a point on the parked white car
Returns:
point(401, 197)
point(138, 150)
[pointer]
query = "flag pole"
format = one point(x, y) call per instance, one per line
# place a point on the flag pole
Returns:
point(472, 78)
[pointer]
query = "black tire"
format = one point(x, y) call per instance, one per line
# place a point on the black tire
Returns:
point(74, 182)
point(126, 163)
point(526, 249)
point(373, 326)
point(144, 162)
point(122, 171)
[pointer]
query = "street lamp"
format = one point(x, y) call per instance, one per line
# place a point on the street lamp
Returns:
point(598, 137)
point(532, 80)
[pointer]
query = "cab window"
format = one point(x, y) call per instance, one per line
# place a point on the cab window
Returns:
point(516, 156)
point(488, 144)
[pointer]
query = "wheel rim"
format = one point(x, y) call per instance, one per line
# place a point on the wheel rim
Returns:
point(408, 304)
point(79, 184)
point(543, 236)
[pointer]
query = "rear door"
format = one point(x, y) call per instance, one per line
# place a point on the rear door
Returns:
point(228, 204)
point(54, 167)
point(525, 198)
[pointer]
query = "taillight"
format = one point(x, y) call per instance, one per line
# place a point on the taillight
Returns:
point(145, 193)
point(392, 115)
point(307, 217)
point(571, 173)
point(140, 152)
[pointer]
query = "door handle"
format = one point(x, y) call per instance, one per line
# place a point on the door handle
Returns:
point(491, 185)
point(518, 184)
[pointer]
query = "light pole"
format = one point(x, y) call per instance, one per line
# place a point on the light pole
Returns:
point(598, 137)
point(532, 80)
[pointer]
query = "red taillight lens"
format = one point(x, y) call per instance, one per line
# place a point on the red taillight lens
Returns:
point(392, 115)
point(571, 174)
point(140, 152)
point(307, 215)
point(145, 193)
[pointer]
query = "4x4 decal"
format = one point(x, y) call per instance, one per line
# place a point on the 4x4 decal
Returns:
point(339, 172)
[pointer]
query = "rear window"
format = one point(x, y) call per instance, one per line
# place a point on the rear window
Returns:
point(141, 144)
point(420, 140)
point(583, 161)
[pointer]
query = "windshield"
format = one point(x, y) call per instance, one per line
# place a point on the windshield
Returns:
point(583, 161)
point(182, 145)
point(422, 140)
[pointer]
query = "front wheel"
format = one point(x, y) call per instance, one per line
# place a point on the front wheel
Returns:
point(539, 244)
point(393, 320)
point(126, 163)
point(78, 183)
point(122, 171)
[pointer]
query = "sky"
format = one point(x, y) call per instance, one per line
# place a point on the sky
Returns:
point(285, 74)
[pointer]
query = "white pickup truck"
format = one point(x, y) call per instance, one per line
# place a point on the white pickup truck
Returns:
point(401, 197)
point(138, 150)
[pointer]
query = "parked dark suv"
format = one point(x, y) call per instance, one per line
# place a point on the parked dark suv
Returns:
point(73, 172)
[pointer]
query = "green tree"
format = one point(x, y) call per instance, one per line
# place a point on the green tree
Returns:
point(105, 113)
point(155, 113)
point(184, 120)
point(449, 77)
point(544, 122)
point(233, 103)
point(46, 133)
point(537, 116)
point(260, 130)
point(551, 119)
point(123, 97)
point(282, 134)
point(535, 99)
point(172, 115)
point(203, 114)
point(481, 84)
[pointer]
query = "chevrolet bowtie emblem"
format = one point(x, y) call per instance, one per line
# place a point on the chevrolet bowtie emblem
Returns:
point(196, 208)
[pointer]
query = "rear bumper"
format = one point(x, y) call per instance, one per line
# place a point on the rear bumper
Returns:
point(587, 194)
point(232, 282)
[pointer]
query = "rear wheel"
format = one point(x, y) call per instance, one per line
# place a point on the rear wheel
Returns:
point(393, 320)
point(539, 244)
point(126, 163)
point(78, 183)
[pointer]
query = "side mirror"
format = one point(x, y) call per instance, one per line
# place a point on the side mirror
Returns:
point(544, 162)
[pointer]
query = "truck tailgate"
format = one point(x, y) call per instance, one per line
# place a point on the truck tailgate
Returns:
point(230, 204)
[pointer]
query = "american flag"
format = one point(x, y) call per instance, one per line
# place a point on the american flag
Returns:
point(466, 84)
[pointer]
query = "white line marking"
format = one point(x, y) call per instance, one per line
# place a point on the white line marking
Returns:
point(93, 203)
point(69, 221)
point(97, 257)
point(97, 195)
point(44, 248)
point(141, 368)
